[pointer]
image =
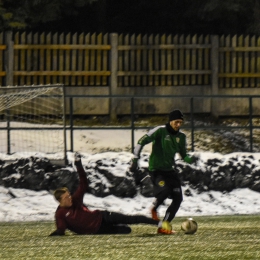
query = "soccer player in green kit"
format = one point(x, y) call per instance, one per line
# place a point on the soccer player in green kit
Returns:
point(167, 140)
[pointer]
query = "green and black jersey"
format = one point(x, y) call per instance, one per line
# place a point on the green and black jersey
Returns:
point(166, 143)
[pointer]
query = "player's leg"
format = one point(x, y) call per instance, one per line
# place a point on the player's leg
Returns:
point(113, 229)
point(161, 192)
point(118, 218)
point(174, 184)
point(175, 205)
point(112, 223)
point(159, 199)
point(176, 195)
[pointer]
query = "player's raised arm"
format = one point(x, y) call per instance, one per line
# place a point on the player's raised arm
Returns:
point(83, 182)
point(68, 202)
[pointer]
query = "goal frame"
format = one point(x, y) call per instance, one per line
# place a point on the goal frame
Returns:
point(8, 128)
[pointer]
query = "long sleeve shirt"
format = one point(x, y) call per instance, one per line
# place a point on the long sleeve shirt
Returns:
point(78, 218)
point(165, 144)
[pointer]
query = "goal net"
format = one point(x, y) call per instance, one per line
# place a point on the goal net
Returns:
point(32, 122)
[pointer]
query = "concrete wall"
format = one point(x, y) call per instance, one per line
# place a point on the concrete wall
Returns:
point(221, 106)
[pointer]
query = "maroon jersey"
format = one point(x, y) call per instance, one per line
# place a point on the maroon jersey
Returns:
point(78, 218)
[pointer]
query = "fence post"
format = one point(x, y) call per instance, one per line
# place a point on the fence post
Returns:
point(113, 77)
point(9, 59)
point(251, 123)
point(214, 73)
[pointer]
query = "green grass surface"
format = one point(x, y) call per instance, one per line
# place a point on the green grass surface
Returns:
point(224, 237)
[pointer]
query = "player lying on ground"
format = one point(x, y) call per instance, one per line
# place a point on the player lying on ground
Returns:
point(72, 214)
point(167, 140)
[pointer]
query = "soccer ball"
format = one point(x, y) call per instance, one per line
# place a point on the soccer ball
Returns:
point(189, 226)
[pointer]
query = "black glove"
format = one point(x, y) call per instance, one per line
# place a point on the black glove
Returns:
point(134, 165)
point(77, 160)
point(194, 159)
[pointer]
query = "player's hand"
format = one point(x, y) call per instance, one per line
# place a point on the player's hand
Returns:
point(134, 165)
point(77, 159)
point(194, 159)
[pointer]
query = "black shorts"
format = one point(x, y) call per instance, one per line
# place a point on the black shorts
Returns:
point(165, 181)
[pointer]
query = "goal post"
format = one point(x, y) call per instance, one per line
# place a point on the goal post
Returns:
point(32, 122)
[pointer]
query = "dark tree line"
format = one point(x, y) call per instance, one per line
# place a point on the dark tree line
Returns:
point(133, 16)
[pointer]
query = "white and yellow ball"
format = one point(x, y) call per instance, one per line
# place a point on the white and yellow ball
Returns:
point(189, 226)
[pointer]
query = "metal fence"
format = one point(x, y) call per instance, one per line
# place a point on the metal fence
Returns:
point(192, 126)
point(70, 127)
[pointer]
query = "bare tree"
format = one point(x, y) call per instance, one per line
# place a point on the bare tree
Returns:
point(29, 13)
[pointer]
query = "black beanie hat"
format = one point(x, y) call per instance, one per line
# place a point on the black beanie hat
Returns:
point(175, 114)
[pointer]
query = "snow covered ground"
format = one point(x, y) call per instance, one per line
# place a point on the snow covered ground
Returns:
point(29, 205)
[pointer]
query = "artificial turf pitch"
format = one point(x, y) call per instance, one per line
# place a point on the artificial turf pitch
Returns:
point(222, 237)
